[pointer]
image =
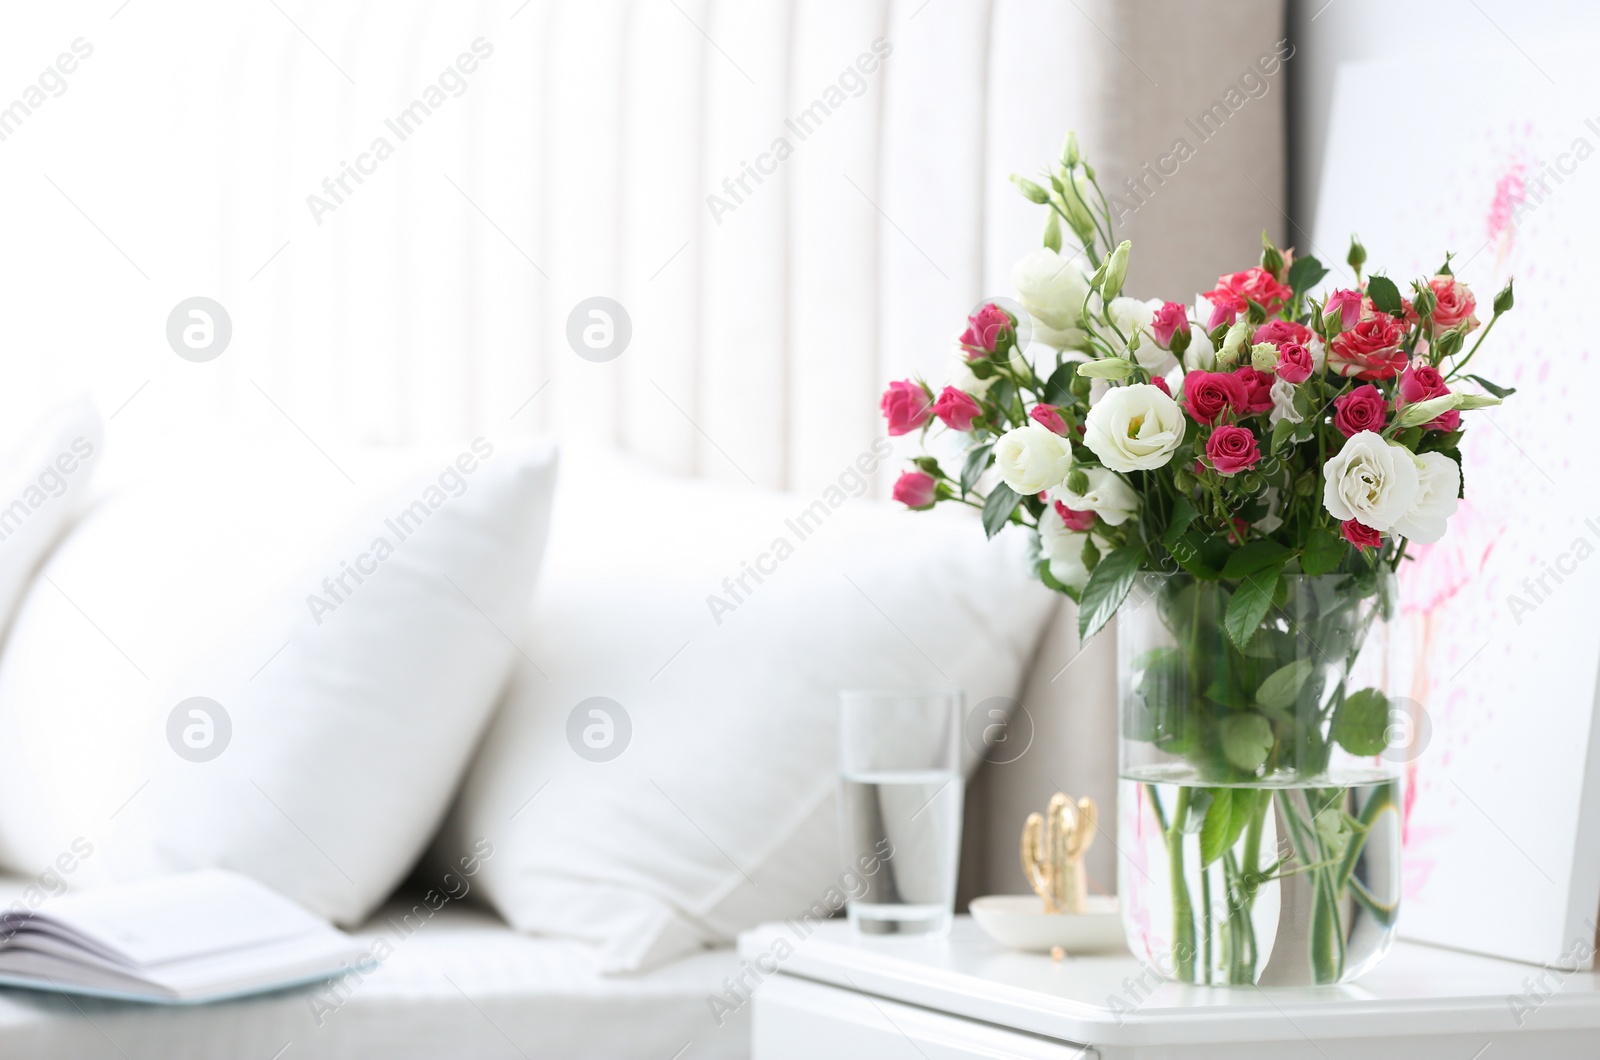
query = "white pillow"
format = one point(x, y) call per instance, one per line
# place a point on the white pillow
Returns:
point(353, 681)
point(719, 811)
point(43, 483)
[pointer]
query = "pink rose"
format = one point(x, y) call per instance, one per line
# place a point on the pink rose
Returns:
point(1208, 395)
point(1279, 332)
point(1362, 409)
point(1232, 449)
point(1050, 416)
point(1257, 390)
point(957, 409)
point(984, 329)
point(1294, 363)
point(1370, 350)
point(1160, 383)
point(1076, 521)
point(915, 489)
point(1455, 304)
point(1419, 383)
point(1235, 291)
point(906, 406)
point(1360, 534)
point(1345, 302)
point(1170, 319)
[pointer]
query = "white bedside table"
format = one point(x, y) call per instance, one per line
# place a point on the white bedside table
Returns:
point(832, 994)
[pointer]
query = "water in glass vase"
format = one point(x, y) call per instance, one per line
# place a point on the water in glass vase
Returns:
point(907, 824)
point(1282, 883)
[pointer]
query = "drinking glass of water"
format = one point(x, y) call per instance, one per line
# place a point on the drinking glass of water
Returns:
point(900, 795)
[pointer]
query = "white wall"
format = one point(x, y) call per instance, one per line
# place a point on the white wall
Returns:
point(1328, 32)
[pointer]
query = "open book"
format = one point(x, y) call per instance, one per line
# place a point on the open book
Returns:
point(199, 936)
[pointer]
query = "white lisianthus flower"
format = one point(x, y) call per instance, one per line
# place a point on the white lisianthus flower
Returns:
point(1131, 315)
point(1032, 458)
point(1438, 482)
point(1200, 354)
point(1282, 394)
point(1052, 289)
point(1134, 428)
point(1064, 549)
point(1112, 499)
point(1371, 481)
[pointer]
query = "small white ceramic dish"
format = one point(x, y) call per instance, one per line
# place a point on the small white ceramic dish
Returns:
point(1020, 922)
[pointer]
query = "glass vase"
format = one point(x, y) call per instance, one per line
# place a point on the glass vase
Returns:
point(1258, 822)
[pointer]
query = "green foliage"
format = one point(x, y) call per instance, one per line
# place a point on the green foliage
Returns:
point(1108, 586)
point(1250, 604)
point(997, 508)
point(1246, 740)
point(1361, 724)
point(1496, 390)
point(1058, 388)
point(1254, 556)
point(1385, 295)
point(1282, 687)
point(978, 460)
point(1305, 274)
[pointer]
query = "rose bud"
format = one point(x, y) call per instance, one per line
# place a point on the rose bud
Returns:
point(915, 489)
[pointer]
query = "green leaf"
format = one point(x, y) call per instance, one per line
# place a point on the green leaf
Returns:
point(997, 509)
point(1492, 388)
point(1218, 823)
point(1305, 274)
point(1256, 555)
point(1183, 514)
point(1250, 604)
point(1324, 551)
point(1334, 830)
point(1246, 740)
point(1282, 431)
point(977, 463)
point(1245, 803)
point(1108, 586)
point(1189, 551)
point(1361, 724)
point(1384, 294)
point(1003, 393)
point(1282, 686)
point(1058, 388)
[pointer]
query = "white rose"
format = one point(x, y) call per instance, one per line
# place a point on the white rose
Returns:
point(1112, 499)
point(1282, 393)
point(1064, 549)
point(1134, 428)
point(1052, 289)
point(1438, 482)
point(1371, 481)
point(1032, 458)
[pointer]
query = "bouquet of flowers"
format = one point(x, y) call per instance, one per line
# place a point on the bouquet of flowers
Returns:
point(1261, 460)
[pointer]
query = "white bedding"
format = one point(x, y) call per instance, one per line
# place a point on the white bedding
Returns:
point(460, 985)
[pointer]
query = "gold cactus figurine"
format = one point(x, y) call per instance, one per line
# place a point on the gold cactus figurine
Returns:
point(1053, 846)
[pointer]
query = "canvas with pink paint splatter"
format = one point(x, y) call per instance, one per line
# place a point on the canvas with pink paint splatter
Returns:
point(1497, 652)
